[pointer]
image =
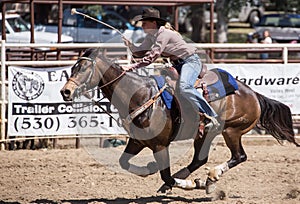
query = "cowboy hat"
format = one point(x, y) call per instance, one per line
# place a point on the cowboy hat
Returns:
point(151, 14)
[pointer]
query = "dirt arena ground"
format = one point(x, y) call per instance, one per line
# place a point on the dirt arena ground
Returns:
point(67, 175)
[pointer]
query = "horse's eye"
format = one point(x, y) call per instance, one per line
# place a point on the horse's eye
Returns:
point(83, 68)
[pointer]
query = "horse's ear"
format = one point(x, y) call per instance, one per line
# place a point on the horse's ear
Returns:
point(87, 52)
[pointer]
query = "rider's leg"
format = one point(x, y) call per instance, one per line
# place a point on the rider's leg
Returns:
point(189, 73)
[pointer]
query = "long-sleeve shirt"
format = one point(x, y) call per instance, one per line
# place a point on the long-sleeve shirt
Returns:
point(164, 42)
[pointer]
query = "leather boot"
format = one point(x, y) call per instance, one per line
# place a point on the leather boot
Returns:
point(208, 123)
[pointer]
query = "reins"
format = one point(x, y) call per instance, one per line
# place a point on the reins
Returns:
point(110, 82)
point(82, 87)
point(142, 108)
point(92, 72)
point(98, 104)
point(133, 114)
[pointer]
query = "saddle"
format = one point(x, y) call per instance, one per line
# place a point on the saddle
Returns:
point(214, 84)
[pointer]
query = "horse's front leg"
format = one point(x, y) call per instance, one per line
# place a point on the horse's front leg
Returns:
point(163, 160)
point(132, 149)
point(201, 150)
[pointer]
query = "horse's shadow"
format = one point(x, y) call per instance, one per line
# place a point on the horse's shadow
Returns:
point(141, 200)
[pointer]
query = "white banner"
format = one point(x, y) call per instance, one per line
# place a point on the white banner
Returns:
point(277, 81)
point(37, 108)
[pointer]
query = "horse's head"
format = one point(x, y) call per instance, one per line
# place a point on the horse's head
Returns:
point(85, 75)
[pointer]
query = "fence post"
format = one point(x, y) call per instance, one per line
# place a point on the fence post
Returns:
point(285, 55)
point(3, 103)
point(77, 143)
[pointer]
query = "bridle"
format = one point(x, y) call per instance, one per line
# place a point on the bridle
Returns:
point(82, 88)
point(84, 85)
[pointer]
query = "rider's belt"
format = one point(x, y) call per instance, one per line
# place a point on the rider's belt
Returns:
point(180, 60)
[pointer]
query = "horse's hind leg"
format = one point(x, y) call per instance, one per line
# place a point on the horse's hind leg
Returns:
point(232, 139)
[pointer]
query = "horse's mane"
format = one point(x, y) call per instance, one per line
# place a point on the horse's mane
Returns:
point(97, 53)
point(91, 52)
point(94, 53)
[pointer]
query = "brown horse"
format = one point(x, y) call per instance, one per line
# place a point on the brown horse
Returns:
point(156, 126)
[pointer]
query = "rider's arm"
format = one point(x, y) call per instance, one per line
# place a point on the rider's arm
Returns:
point(156, 45)
point(142, 49)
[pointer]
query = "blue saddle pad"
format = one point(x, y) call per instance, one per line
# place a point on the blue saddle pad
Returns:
point(225, 86)
point(166, 96)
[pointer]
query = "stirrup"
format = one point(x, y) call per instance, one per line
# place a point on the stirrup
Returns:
point(212, 124)
point(201, 129)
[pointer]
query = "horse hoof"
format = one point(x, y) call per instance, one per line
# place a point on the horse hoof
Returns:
point(165, 189)
point(210, 186)
point(200, 184)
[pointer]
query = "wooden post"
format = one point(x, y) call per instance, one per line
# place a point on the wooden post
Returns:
point(212, 29)
point(176, 11)
point(212, 21)
point(31, 8)
point(59, 30)
point(101, 142)
point(54, 143)
point(3, 21)
point(3, 123)
point(77, 143)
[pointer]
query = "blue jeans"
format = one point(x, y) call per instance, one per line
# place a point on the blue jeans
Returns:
point(189, 72)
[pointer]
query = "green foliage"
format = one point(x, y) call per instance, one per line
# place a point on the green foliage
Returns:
point(231, 6)
point(235, 6)
point(94, 10)
point(287, 5)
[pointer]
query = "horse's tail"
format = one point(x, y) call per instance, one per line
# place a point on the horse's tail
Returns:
point(276, 118)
